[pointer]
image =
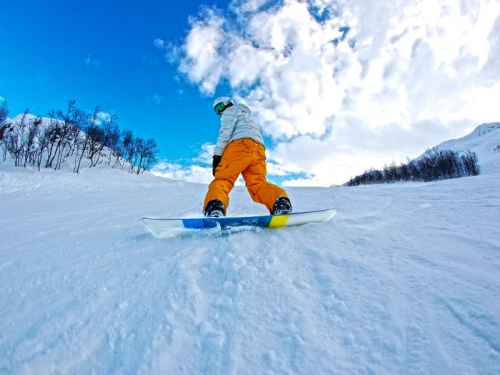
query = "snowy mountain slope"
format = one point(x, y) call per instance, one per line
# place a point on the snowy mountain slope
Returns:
point(484, 141)
point(404, 281)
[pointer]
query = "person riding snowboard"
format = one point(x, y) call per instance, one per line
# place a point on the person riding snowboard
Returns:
point(240, 150)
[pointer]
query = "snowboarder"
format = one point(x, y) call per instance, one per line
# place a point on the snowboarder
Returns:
point(240, 150)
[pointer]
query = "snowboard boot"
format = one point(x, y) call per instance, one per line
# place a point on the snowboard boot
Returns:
point(215, 208)
point(282, 206)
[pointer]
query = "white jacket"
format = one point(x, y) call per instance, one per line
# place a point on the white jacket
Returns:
point(237, 122)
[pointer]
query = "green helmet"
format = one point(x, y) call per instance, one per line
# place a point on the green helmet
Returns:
point(221, 103)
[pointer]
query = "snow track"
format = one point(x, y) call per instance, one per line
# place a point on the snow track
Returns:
point(403, 281)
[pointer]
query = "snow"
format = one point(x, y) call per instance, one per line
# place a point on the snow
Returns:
point(404, 280)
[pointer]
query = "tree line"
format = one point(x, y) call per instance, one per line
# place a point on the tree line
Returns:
point(433, 165)
point(73, 137)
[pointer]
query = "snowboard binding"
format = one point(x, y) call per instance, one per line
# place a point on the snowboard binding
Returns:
point(215, 208)
point(282, 206)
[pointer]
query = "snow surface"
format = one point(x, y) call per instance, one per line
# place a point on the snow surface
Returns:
point(405, 280)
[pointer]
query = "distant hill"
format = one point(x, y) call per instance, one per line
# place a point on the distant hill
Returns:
point(484, 140)
point(475, 153)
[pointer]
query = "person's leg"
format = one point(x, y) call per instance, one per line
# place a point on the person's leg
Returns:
point(259, 188)
point(234, 160)
point(219, 189)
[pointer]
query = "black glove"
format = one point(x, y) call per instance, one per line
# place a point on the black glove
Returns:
point(215, 162)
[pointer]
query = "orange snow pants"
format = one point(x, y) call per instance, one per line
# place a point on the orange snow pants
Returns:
point(247, 157)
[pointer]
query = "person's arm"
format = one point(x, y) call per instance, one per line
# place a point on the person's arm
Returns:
point(215, 163)
point(227, 124)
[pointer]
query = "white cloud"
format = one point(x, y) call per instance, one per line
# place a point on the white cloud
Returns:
point(193, 173)
point(159, 43)
point(199, 170)
point(206, 153)
point(202, 63)
point(405, 75)
point(2, 100)
point(102, 117)
point(248, 6)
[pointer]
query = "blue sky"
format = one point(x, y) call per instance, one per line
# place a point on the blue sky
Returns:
point(337, 90)
point(102, 53)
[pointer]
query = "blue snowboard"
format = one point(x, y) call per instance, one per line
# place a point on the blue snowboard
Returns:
point(168, 227)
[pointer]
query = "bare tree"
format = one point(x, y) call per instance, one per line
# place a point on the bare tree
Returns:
point(146, 154)
point(4, 129)
point(53, 135)
point(95, 136)
point(73, 133)
point(105, 134)
point(86, 122)
point(139, 146)
point(4, 112)
point(69, 132)
point(128, 146)
point(111, 138)
point(151, 154)
point(43, 143)
point(31, 138)
point(15, 139)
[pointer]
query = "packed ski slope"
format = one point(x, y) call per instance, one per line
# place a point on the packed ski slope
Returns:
point(405, 280)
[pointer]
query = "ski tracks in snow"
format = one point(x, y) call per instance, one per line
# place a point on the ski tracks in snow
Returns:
point(403, 281)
